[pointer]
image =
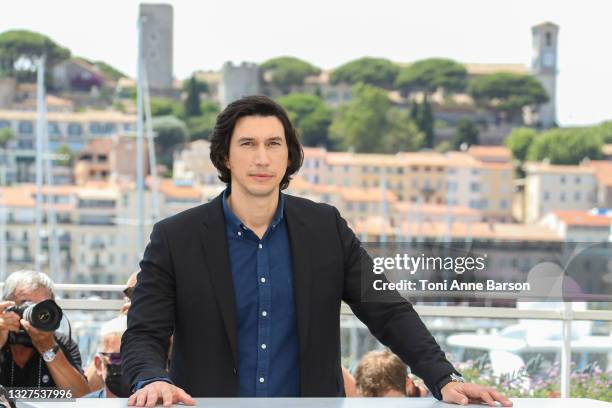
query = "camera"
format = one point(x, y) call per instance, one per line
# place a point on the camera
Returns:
point(44, 316)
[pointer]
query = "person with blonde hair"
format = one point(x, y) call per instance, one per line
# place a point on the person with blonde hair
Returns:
point(381, 373)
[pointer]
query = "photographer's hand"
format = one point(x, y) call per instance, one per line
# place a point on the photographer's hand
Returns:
point(64, 374)
point(8, 322)
point(41, 340)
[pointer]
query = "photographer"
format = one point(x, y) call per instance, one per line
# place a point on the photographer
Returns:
point(32, 357)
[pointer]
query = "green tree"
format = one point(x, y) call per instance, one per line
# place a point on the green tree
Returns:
point(361, 124)
point(566, 146)
point(286, 72)
point(519, 141)
point(466, 132)
point(192, 102)
point(379, 72)
point(6, 135)
point(403, 135)
point(20, 50)
point(200, 86)
point(430, 74)
point(166, 107)
point(201, 127)
point(311, 117)
point(369, 124)
point(507, 94)
point(68, 155)
point(171, 132)
point(605, 131)
point(422, 114)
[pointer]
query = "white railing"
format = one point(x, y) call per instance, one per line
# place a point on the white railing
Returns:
point(565, 315)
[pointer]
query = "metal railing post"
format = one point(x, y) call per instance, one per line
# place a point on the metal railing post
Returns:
point(566, 350)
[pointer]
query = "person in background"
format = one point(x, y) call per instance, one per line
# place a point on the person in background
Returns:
point(350, 387)
point(95, 381)
point(383, 374)
point(108, 361)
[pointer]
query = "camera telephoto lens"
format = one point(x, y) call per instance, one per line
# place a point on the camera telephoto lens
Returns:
point(45, 315)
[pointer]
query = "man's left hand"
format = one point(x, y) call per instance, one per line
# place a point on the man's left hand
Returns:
point(41, 340)
point(464, 393)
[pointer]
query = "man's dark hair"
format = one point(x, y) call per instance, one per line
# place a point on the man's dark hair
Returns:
point(256, 105)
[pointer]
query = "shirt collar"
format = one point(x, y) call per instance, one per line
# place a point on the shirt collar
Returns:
point(235, 222)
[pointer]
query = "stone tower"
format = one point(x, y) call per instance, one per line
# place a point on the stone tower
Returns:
point(157, 29)
point(238, 81)
point(544, 67)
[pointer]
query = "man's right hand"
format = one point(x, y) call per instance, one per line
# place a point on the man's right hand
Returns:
point(8, 322)
point(169, 394)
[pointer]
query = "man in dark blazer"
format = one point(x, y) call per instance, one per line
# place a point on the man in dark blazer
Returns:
point(250, 286)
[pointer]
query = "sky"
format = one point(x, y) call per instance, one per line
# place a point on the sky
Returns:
point(328, 33)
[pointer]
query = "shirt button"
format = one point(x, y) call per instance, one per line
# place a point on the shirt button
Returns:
point(263, 280)
point(263, 346)
point(239, 233)
point(264, 313)
point(260, 246)
point(261, 379)
point(244, 228)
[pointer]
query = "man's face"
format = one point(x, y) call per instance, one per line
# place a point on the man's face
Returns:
point(25, 295)
point(112, 344)
point(258, 155)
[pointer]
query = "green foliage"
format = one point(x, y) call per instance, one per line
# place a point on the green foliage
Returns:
point(201, 127)
point(68, 154)
point(422, 115)
point(379, 72)
point(171, 132)
point(20, 50)
point(311, 117)
point(519, 141)
point(403, 135)
point(430, 74)
point(466, 132)
point(566, 146)
point(289, 71)
point(105, 68)
point(109, 70)
point(507, 93)
point(166, 107)
point(444, 146)
point(6, 135)
point(605, 131)
point(192, 102)
point(198, 85)
point(370, 124)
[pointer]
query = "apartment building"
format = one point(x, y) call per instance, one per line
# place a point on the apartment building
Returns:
point(73, 129)
point(551, 188)
point(96, 225)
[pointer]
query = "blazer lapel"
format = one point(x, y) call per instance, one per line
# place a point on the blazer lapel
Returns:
point(214, 245)
point(300, 237)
